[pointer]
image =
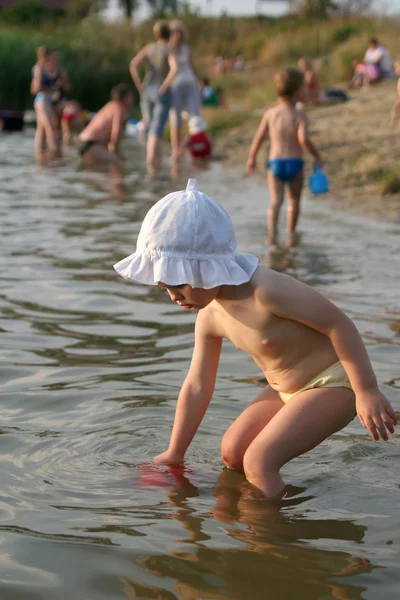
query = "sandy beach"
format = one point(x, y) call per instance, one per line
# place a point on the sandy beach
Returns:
point(361, 152)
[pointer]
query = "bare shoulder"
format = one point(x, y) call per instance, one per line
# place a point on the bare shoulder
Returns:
point(269, 284)
point(207, 322)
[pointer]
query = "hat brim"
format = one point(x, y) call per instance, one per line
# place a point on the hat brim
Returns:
point(204, 273)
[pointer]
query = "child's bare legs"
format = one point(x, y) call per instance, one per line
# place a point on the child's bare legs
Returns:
point(293, 211)
point(40, 140)
point(277, 194)
point(153, 154)
point(269, 433)
point(45, 127)
point(176, 142)
point(247, 427)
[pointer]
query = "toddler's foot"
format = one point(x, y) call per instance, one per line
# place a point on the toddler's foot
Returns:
point(293, 239)
point(272, 240)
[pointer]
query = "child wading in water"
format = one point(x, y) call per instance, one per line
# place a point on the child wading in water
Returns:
point(288, 132)
point(311, 353)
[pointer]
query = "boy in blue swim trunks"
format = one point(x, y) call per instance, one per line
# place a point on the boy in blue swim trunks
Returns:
point(289, 134)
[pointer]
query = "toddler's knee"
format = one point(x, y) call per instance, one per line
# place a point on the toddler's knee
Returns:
point(257, 466)
point(231, 454)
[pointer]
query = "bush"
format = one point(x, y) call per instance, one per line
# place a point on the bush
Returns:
point(27, 12)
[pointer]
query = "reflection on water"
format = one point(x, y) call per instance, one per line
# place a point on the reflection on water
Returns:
point(272, 556)
point(90, 368)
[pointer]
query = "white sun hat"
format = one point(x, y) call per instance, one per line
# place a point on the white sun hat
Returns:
point(197, 124)
point(187, 238)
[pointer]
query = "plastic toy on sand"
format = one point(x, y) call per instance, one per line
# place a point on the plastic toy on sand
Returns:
point(318, 181)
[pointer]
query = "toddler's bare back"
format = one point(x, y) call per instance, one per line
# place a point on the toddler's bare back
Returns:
point(283, 125)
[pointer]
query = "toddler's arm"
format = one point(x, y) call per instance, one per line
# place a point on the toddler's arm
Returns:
point(195, 394)
point(258, 139)
point(291, 299)
point(305, 139)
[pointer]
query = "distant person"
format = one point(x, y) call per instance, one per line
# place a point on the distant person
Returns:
point(219, 66)
point(228, 65)
point(314, 93)
point(50, 86)
point(378, 55)
point(198, 142)
point(185, 89)
point(377, 65)
point(239, 64)
point(288, 132)
point(73, 121)
point(100, 140)
point(154, 90)
point(396, 105)
point(209, 95)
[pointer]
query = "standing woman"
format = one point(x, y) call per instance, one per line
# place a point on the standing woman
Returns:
point(155, 95)
point(49, 86)
point(185, 88)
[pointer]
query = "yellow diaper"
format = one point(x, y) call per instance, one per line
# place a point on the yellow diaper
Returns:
point(333, 376)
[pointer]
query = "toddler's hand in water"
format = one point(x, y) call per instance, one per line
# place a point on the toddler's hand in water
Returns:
point(250, 166)
point(168, 458)
point(376, 413)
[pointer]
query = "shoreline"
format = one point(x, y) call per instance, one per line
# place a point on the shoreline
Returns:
point(361, 153)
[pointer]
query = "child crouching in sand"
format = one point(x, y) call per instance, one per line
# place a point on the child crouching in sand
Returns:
point(288, 132)
point(310, 352)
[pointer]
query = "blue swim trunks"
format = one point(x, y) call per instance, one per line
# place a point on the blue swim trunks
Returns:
point(285, 169)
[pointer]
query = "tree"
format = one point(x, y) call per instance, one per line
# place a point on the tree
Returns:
point(354, 7)
point(163, 8)
point(320, 9)
point(129, 7)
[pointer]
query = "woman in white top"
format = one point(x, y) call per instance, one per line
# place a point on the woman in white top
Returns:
point(184, 87)
point(379, 56)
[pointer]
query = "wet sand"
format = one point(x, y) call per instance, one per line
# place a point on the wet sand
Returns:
point(356, 143)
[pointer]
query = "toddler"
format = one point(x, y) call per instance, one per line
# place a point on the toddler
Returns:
point(198, 141)
point(318, 371)
point(288, 132)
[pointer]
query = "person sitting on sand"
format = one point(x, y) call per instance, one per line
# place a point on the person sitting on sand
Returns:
point(198, 142)
point(209, 95)
point(377, 65)
point(317, 367)
point(312, 86)
point(288, 131)
point(314, 93)
point(101, 137)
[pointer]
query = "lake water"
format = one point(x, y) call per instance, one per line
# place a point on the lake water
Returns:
point(91, 366)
